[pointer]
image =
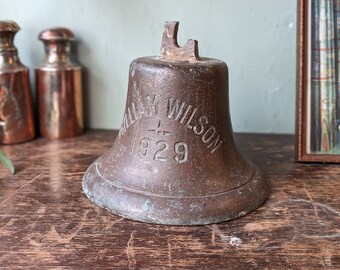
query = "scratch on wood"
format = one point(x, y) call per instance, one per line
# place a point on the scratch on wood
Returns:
point(324, 206)
point(216, 231)
point(117, 221)
point(17, 190)
point(213, 235)
point(312, 202)
point(7, 232)
point(109, 225)
point(263, 226)
point(336, 235)
point(65, 240)
point(130, 253)
point(169, 254)
point(74, 173)
point(232, 240)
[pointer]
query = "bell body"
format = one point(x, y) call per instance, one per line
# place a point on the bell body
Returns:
point(59, 87)
point(16, 111)
point(175, 160)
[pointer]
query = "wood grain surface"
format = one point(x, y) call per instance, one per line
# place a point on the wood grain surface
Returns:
point(46, 222)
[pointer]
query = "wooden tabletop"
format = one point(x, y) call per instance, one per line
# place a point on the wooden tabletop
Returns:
point(46, 221)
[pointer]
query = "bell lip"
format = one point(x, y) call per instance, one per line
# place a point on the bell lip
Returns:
point(164, 210)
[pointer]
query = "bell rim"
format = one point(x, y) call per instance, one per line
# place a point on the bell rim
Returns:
point(210, 209)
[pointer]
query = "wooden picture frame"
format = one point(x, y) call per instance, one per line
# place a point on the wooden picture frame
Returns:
point(317, 124)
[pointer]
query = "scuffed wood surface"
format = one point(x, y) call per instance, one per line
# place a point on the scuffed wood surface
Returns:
point(47, 222)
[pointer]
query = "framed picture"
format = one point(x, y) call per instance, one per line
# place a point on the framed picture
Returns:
point(318, 76)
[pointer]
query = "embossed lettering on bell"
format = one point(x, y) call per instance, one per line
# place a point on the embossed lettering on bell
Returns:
point(175, 160)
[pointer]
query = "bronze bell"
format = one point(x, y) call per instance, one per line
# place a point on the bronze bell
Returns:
point(174, 160)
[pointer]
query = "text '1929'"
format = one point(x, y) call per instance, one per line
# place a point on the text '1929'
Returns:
point(163, 151)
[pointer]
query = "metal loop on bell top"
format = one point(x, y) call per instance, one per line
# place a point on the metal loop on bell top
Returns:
point(170, 50)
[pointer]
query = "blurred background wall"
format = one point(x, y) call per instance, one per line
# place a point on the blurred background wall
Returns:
point(257, 40)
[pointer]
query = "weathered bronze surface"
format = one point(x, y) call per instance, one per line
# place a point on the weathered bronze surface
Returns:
point(175, 160)
point(16, 112)
point(59, 87)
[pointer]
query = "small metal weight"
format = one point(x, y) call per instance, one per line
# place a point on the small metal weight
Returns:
point(175, 160)
point(16, 111)
point(59, 87)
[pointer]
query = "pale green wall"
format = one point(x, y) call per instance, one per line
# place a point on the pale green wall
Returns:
point(256, 38)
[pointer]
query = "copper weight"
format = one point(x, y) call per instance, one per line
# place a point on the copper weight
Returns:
point(16, 110)
point(59, 86)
